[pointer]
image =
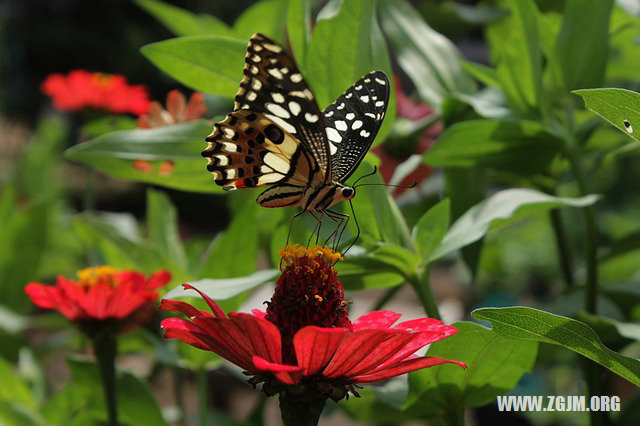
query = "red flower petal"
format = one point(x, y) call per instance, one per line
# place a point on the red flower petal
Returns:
point(315, 346)
point(288, 374)
point(359, 349)
point(159, 279)
point(183, 307)
point(376, 320)
point(406, 366)
point(212, 305)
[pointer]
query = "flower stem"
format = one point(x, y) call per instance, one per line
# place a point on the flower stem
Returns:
point(202, 397)
point(302, 410)
point(422, 287)
point(105, 347)
point(564, 252)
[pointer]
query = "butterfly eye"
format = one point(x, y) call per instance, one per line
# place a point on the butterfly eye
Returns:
point(348, 192)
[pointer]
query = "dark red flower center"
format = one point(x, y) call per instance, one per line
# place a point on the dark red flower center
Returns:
point(307, 293)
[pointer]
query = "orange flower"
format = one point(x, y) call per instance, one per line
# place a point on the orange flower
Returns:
point(82, 89)
point(178, 110)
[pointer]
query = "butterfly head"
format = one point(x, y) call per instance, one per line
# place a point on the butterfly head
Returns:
point(347, 192)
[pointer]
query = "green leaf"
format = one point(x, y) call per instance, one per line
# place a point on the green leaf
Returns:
point(24, 238)
point(233, 253)
point(519, 146)
point(520, 65)
point(299, 29)
point(366, 272)
point(14, 388)
point(223, 289)
point(532, 324)
point(431, 61)
point(264, 17)
point(177, 146)
point(162, 225)
point(619, 107)
point(211, 64)
point(495, 366)
point(582, 46)
point(431, 228)
point(500, 209)
point(118, 249)
point(403, 260)
point(484, 74)
point(380, 215)
point(181, 22)
point(14, 414)
point(342, 49)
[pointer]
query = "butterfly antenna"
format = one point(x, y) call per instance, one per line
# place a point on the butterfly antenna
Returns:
point(375, 169)
point(413, 185)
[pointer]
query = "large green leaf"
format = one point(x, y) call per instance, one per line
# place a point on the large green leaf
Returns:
point(14, 388)
point(117, 247)
point(223, 289)
point(182, 22)
point(522, 323)
point(619, 107)
point(299, 29)
point(14, 414)
point(366, 272)
point(233, 253)
point(519, 68)
point(119, 154)
point(579, 59)
point(264, 17)
point(429, 59)
point(431, 228)
point(500, 209)
point(211, 64)
point(342, 49)
point(519, 146)
point(495, 366)
point(162, 227)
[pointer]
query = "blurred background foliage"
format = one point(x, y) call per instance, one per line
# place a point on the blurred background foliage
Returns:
point(485, 118)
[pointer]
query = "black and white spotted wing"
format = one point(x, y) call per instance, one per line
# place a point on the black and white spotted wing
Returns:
point(273, 85)
point(353, 121)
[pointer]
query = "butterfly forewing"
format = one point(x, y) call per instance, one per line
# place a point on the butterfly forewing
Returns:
point(273, 85)
point(353, 121)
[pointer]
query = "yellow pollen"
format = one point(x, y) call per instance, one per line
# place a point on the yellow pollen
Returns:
point(89, 277)
point(290, 253)
point(318, 298)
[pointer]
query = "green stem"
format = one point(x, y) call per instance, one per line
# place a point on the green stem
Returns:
point(304, 410)
point(105, 347)
point(592, 371)
point(202, 397)
point(564, 251)
point(454, 418)
point(178, 383)
point(422, 287)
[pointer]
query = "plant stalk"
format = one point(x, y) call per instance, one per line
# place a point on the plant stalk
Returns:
point(105, 347)
point(202, 397)
point(301, 410)
point(422, 287)
point(387, 297)
point(564, 251)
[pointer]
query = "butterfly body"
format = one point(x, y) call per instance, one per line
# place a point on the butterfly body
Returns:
point(277, 135)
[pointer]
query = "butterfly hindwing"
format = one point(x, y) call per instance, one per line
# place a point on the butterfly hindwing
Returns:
point(272, 85)
point(247, 149)
point(353, 121)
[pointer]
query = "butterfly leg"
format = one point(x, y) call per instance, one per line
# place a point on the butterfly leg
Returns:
point(342, 219)
point(316, 229)
point(300, 213)
point(336, 221)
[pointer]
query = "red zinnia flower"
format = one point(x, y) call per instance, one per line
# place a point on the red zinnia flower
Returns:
point(101, 293)
point(305, 337)
point(178, 110)
point(82, 89)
